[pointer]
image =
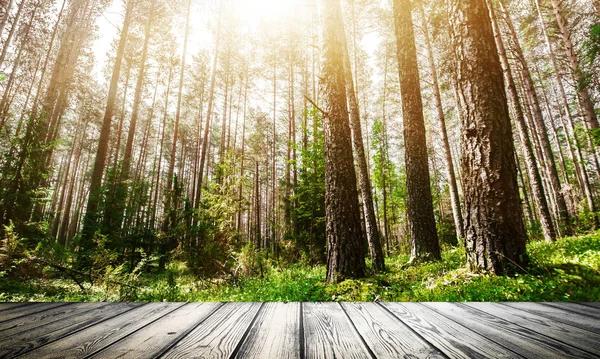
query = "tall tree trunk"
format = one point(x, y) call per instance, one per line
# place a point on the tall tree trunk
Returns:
point(584, 176)
point(532, 170)
point(454, 197)
point(211, 96)
point(170, 217)
point(495, 230)
point(364, 181)
point(576, 71)
point(345, 240)
point(423, 232)
point(139, 87)
point(546, 147)
point(90, 224)
point(12, 31)
point(7, 7)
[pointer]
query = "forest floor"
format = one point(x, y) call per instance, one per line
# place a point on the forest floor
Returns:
point(566, 270)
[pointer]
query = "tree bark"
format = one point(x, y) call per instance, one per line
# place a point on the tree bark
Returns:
point(454, 197)
point(423, 232)
point(576, 71)
point(12, 31)
point(531, 164)
point(546, 147)
point(366, 192)
point(345, 250)
point(7, 8)
point(586, 189)
point(91, 216)
point(495, 231)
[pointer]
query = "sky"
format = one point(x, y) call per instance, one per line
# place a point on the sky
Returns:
point(251, 12)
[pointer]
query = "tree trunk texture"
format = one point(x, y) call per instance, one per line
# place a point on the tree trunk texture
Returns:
point(495, 230)
point(531, 164)
point(90, 224)
point(546, 147)
point(375, 249)
point(586, 189)
point(423, 232)
point(345, 240)
point(576, 71)
point(454, 197)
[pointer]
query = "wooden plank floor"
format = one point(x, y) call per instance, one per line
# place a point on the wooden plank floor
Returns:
point(300, 330)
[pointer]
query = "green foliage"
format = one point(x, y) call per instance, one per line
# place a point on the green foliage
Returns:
point(310, 193)
point(387, 177)
point(566, 270)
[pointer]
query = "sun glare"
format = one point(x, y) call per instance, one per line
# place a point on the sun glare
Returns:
point(265, 11)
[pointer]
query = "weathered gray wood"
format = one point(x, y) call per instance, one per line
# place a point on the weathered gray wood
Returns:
point(576, 308)
point(219, 335)
point(36, 320)
point(151, 341)
point(275, 333)
point(5, 306)
point(551, 328)
point(521, 340)
point(29, 309)
point(101, 335)
point(329, 334)
point(592, 304)
point(386, 335)
point(584, 322)
point(454, 340)
point(24, 342)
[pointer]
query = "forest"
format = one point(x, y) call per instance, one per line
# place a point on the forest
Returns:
point(299, 150)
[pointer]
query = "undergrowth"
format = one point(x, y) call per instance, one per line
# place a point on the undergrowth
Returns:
point(566, 270)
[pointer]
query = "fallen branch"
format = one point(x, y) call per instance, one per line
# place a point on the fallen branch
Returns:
point(70, 272)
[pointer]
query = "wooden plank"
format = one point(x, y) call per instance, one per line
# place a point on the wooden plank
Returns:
point(584, 322)
point(456, 341)
point(29, 309)
point(99, 336)
point(386, 335)
point(329, 334)
point(219, 335)
point(151, 341)
point(581, 339)
point(24, 342)
point(33, 321)
point(5, 306)
point(595, 305)
point(275, 333)
point(521, 340)
point(576, 308)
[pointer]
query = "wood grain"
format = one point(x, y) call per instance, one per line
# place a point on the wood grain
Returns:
point(454, 340)
point(584, 322)
point(151, 341)
point(275, 333)
point(329, 334)
point(551, 328)
point(576, 308)
point(386, 335)
point(33, 321)
point(518, 339)
point(29, 309)
point(91, 340)
point(5, 306)
point(32, 339)
point(593, 305)
point(219, 335)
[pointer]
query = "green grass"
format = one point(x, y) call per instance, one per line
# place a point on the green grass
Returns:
point(567, 270)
